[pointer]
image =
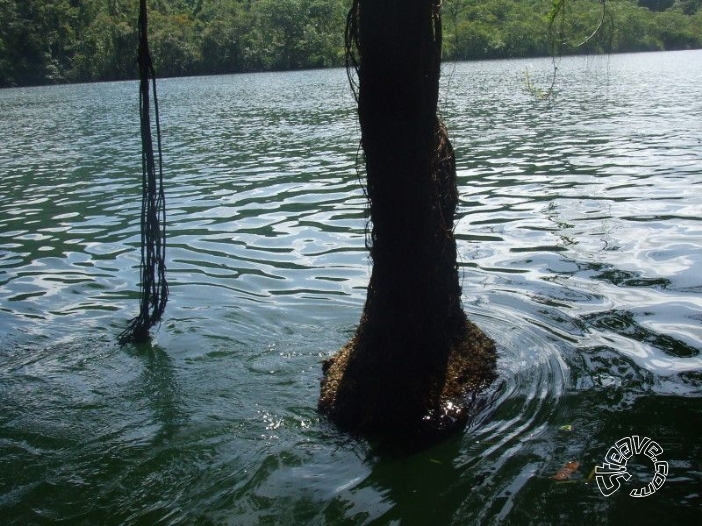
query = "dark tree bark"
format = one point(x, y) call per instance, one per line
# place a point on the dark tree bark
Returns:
point(415, 357)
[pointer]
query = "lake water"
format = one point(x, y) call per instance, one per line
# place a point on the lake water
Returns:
point(580, 242)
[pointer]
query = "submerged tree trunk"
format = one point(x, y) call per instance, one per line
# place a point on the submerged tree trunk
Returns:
point(415, 356)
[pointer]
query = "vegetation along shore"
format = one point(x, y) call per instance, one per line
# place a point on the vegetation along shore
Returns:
point(44, 42)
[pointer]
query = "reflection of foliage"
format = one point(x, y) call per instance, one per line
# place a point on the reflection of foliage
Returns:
point(537, 92)
point(52, 41)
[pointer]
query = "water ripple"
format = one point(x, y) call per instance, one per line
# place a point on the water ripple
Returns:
point(578, 237)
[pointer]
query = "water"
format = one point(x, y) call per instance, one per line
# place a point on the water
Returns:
point(579, 233)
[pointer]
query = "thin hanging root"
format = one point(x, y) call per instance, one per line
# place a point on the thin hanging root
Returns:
point(154, 288)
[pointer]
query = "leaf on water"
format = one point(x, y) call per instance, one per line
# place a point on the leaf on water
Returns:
point(567, 427)
point(567, 470)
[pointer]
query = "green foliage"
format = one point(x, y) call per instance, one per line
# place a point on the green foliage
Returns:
point(48, 41)
point(520, 28)
point(45, 41)
point(657, 5)
point(294, 34)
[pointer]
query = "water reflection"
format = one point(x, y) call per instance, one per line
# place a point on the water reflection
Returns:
point(158, 386)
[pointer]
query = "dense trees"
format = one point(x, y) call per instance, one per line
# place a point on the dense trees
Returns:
point(45, 41)
point(477, 29)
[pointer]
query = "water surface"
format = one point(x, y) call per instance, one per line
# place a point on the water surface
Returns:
point(578, 232)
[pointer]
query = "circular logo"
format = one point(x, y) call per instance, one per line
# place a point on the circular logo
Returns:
point(610, 474)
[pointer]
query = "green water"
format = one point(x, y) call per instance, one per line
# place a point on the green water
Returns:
point(580, 244)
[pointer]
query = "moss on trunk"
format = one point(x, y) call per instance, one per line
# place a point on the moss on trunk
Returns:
point(415, 357)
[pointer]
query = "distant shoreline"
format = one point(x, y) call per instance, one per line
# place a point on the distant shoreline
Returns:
point(44, 43)
point(65, 82)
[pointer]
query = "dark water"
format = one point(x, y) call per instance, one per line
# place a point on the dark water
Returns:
point(580, 243)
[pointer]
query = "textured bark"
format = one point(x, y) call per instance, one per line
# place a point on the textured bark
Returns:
point(392, 377)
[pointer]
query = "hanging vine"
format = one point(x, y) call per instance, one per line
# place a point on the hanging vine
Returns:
point(558, 39)
point(154, 288)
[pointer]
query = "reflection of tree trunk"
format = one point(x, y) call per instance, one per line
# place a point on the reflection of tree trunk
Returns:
point(390, 377)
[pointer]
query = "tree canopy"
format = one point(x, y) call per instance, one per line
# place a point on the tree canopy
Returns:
point(50, 41)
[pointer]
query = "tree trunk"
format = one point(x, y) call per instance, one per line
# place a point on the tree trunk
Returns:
point(391, 379)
